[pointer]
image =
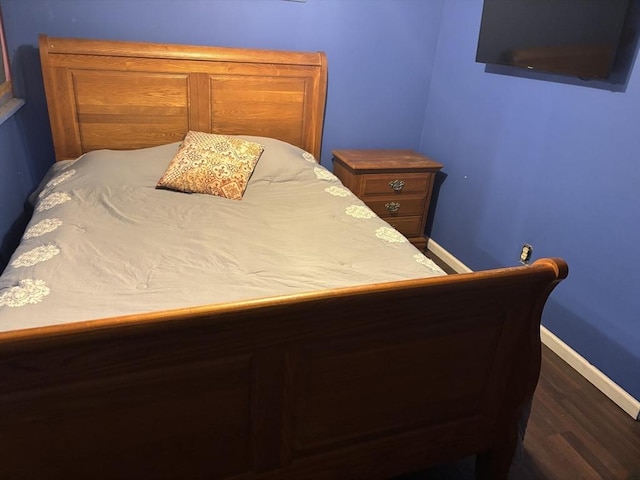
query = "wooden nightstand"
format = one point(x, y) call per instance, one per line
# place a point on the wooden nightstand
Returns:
point(396, 184)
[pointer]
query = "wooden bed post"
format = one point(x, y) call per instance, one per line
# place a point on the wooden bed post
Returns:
point(495, 463)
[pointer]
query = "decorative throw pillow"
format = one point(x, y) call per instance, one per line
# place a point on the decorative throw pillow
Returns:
point(213, 164)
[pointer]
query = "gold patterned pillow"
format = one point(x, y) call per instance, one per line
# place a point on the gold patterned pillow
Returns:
point(213, 164)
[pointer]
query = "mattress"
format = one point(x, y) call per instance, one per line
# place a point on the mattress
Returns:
point(104, 241)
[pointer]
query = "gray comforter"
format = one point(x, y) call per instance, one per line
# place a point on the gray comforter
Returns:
point(103, 241)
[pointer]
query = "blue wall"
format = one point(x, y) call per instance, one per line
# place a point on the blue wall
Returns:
point(14, 187)
point(526, 160)
point(25, 155)
point(550, 164)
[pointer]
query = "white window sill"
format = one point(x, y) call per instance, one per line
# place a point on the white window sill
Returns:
point(9, 107)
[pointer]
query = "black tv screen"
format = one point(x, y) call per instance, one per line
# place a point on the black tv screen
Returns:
point(570, 37)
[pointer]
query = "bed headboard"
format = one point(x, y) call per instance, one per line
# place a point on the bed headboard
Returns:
point(126, 95)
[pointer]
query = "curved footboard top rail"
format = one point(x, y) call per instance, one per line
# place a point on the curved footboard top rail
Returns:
point(549, 271)
point(126, 95)
point(363, 382)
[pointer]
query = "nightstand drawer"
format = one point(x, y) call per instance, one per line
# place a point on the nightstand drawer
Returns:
point(408, 226)
point(396, 206)
point(398, 183)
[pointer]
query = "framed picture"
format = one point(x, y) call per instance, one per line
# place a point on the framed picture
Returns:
point(5, 75)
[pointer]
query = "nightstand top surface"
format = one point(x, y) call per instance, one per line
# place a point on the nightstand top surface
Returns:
point(360, 160)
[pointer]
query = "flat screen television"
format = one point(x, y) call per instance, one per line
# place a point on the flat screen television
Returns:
point(570, 37)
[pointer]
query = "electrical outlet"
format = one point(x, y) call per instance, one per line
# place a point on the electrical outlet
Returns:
point(525, 254)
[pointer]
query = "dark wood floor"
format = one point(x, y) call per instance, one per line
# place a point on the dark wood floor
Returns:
point(574, 432)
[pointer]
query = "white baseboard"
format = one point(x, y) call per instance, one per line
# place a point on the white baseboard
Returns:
point(603, 383)
point(455, 264)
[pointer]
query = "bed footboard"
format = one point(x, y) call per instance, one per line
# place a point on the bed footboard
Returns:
point(364, 382)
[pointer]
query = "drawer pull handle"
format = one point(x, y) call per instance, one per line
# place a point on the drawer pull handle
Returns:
point(396, 185)
point(392, 207)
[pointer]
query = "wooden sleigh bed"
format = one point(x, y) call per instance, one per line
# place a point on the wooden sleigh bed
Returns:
point(364, 381)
